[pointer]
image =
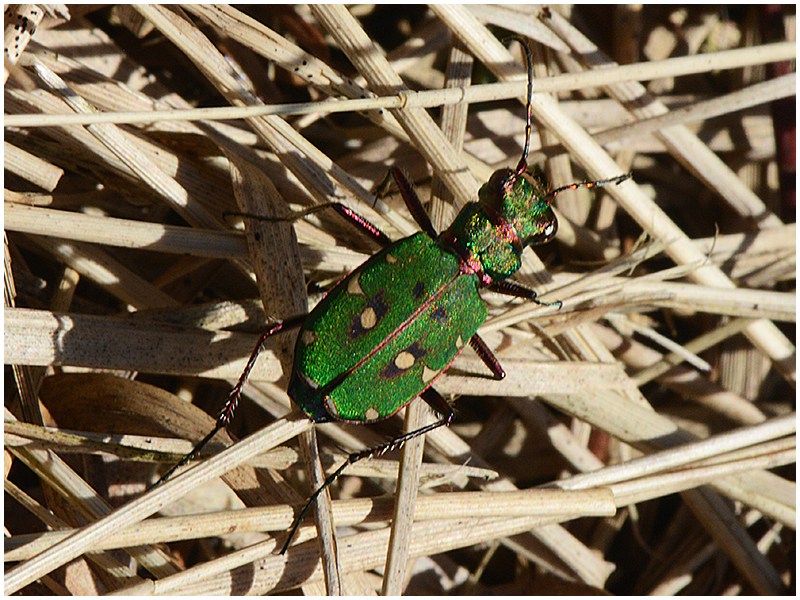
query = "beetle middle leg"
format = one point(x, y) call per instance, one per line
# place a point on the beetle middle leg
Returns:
point(346, 212)
point(406, 191)
point(487, 356)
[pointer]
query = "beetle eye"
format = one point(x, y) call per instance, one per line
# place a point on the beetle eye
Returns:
point(547, 233)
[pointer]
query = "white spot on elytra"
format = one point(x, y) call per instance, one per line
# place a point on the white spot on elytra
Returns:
point(309, 337)
point(428, 374)
point(391, 259)
point(331, 407)
point(404, 360)
point(354, 287)
point(310, 382)
point(369, 318)
point(372, 414)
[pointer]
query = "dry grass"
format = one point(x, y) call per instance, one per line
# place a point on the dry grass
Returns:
point(656, 404)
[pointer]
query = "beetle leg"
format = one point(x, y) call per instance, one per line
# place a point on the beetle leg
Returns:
point(412, 202)
point(509, 288)
point(487, 356)
point(365, 226)
point(226, 414)
point(433, 398)
point(348, 213)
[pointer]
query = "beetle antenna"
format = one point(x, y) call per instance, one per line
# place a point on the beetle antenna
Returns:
point(587, 184)
point(523, 162)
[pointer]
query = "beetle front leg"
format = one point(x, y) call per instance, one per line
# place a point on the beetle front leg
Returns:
point(412, 202)
point(509, 288)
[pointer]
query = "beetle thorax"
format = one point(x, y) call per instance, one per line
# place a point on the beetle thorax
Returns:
point(512, 212)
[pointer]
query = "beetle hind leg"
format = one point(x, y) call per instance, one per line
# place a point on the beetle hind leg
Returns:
point(431, 397)
point(226, 414)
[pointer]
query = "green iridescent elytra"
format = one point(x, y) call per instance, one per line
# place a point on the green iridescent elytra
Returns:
point(386, 331)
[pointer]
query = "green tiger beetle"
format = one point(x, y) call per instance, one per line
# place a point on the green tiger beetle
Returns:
point(385, 332)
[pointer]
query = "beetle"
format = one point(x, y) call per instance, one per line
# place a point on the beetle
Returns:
point(385, 332)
